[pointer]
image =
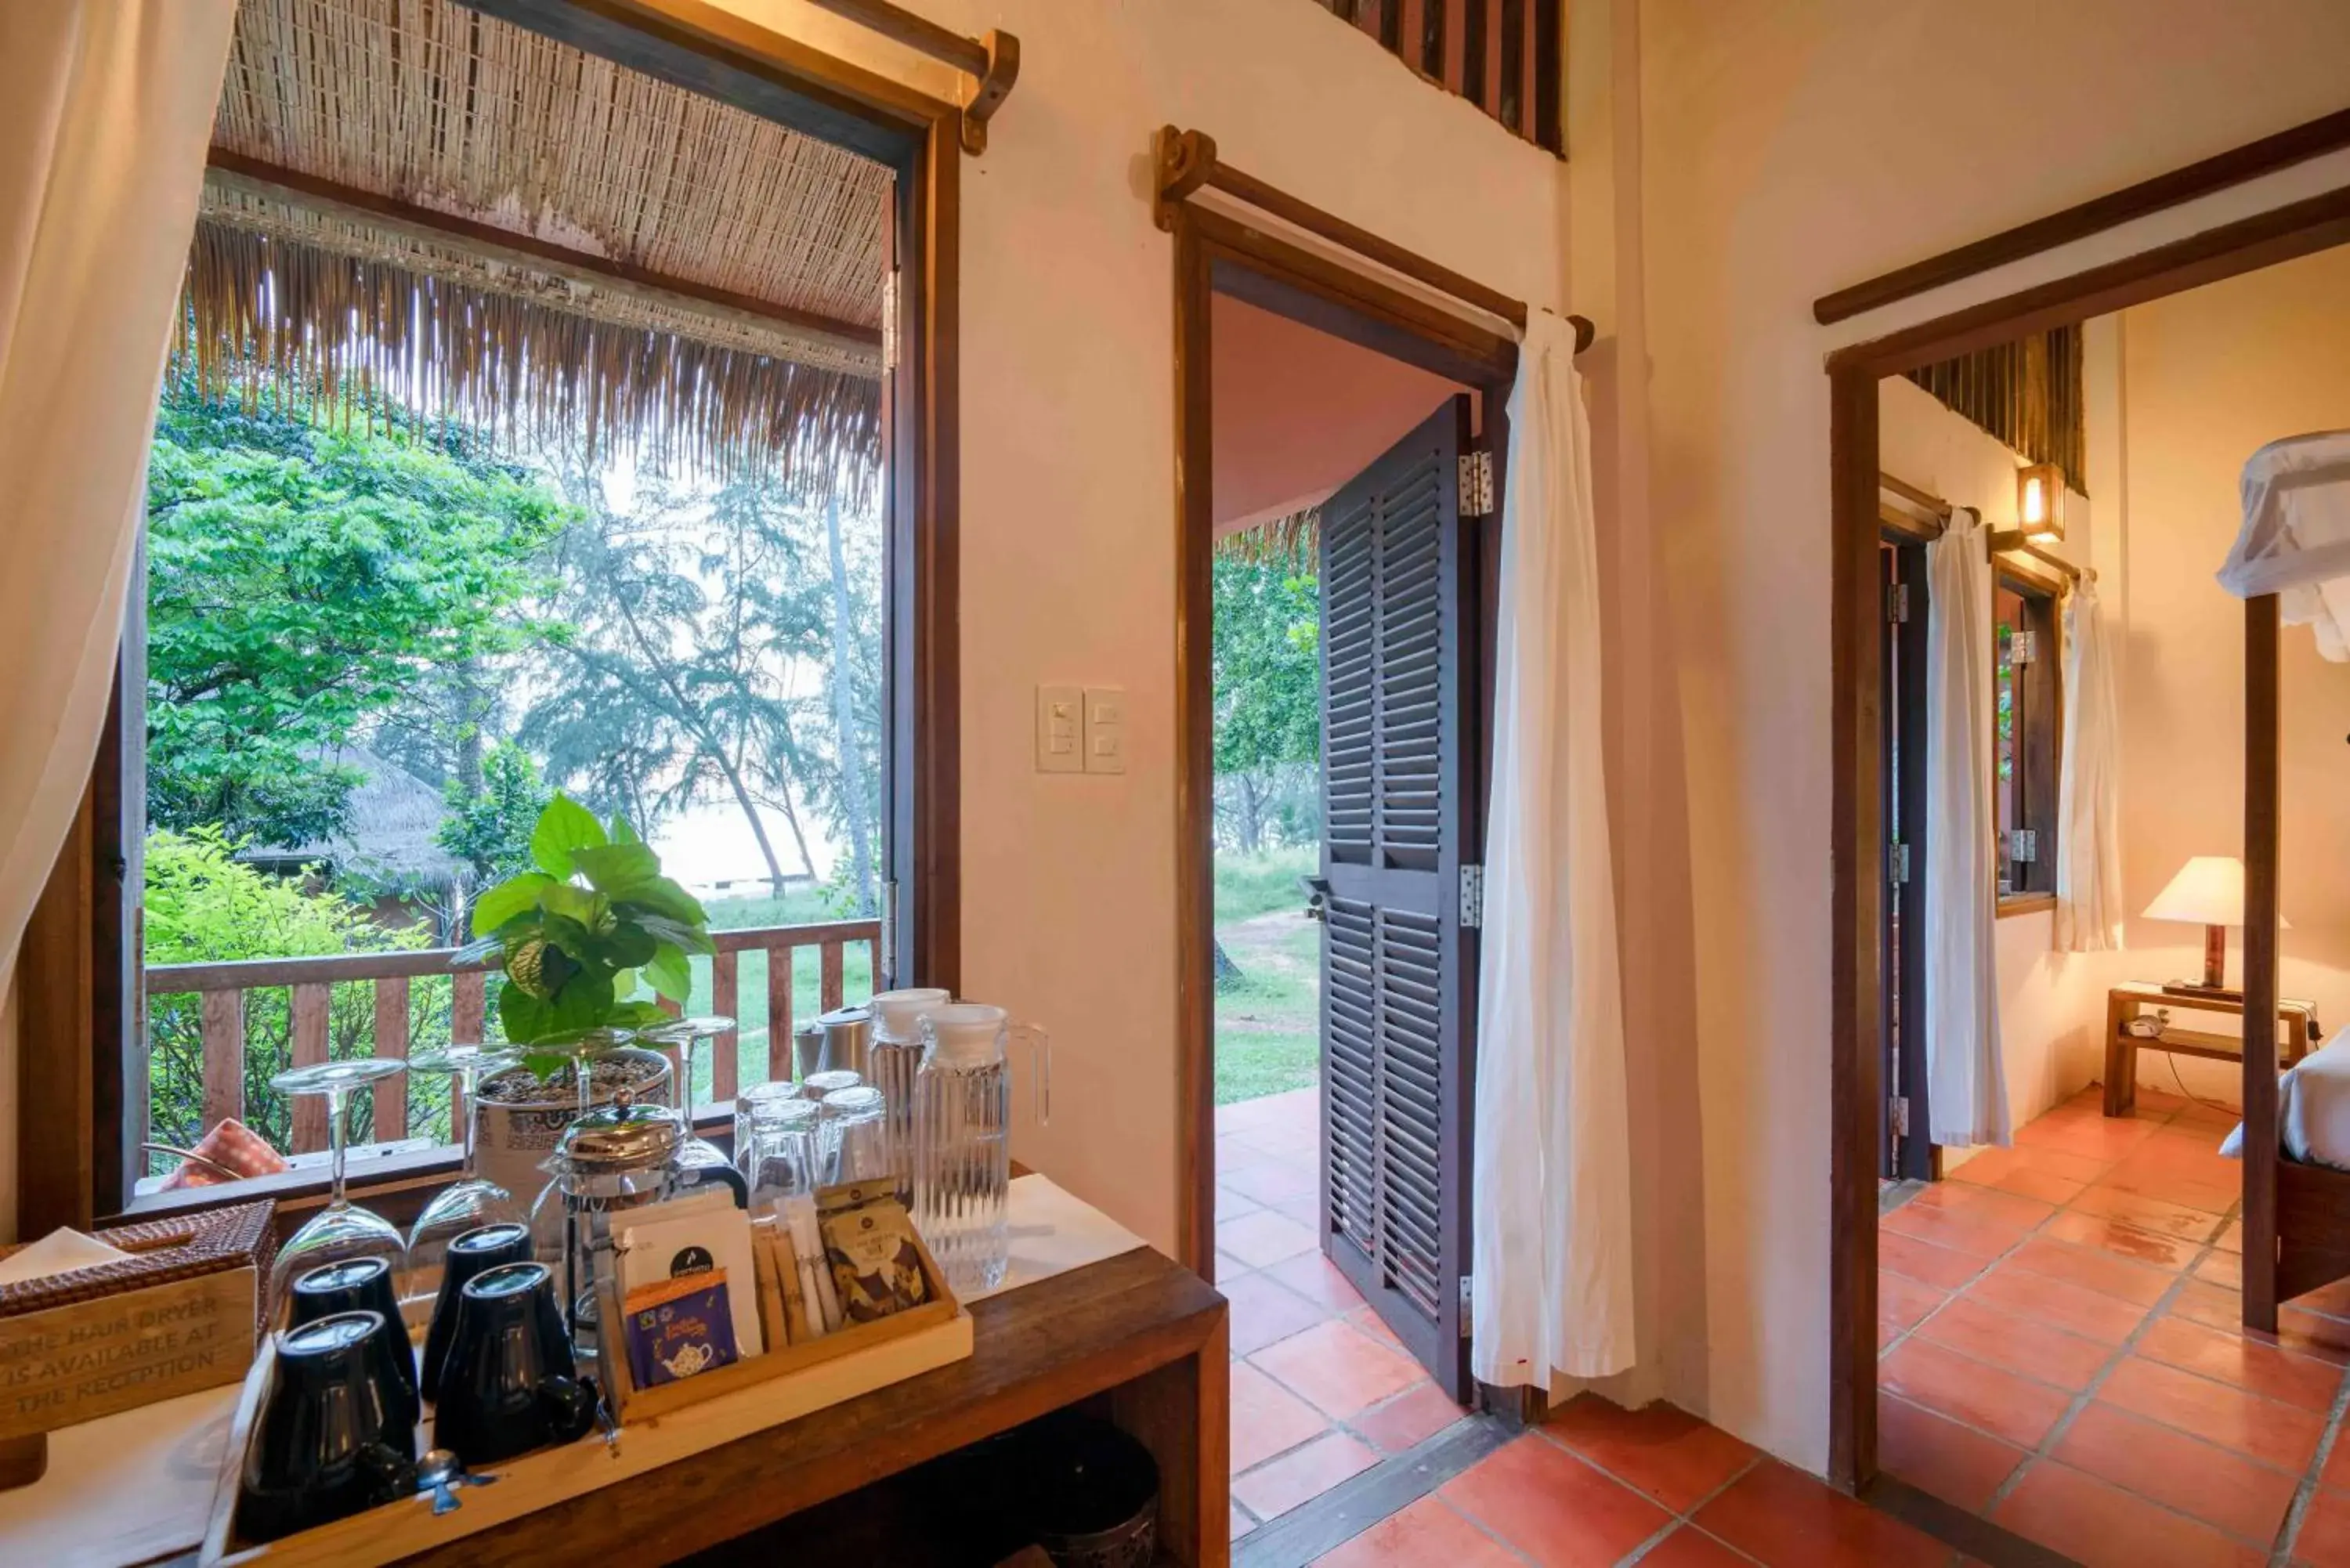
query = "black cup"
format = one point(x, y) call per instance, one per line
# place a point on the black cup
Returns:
point(364, 1284)
point(328, 1445)
point(506, 1386)
point(481, 1248)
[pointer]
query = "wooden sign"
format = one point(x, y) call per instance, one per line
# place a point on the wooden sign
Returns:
point(76, 1362)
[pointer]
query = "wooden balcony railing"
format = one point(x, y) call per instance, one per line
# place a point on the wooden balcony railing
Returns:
point(224, 990)
point(1506, 56)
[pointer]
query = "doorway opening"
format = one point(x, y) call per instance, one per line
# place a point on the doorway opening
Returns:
point(1344, 661)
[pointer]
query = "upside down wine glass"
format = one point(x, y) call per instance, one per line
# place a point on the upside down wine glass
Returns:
point(470, 1200)
point(342, 1229)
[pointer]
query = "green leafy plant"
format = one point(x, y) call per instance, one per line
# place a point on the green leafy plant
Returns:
point(581, 933)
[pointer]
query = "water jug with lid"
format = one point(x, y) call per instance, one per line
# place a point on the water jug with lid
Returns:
point(891, 1062)
point(962, 1137)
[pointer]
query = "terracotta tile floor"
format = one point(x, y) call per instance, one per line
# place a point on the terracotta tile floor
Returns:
point(2062, 1351)
point(1321, 1393)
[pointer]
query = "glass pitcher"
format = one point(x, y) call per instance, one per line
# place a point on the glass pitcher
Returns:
point(962, 1138)
point(892, 1063)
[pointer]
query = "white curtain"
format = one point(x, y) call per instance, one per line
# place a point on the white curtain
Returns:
point(2088, 792)
point(1551, 1195)
point(106, 107)
point(1966, 1082)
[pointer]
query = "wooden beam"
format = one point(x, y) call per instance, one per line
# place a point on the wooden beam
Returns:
point(2313, 139)
point(237, 172)
point(992, 63)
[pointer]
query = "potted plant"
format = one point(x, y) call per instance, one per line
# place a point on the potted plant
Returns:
point(589, 940)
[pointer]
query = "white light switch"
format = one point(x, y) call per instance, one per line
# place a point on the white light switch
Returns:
point(1060, 730)
point(1105, 730)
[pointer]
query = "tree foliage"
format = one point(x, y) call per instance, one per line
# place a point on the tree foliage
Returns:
point(489, 828)
point(1265, 655)
point(303, 581)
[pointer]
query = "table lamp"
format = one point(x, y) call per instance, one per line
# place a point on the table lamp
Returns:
point(2208, 892)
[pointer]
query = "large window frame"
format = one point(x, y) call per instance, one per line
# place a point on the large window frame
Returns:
point(2027, 733)
point(78, 978)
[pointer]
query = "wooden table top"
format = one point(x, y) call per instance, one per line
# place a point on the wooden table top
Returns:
point(1034, 1350)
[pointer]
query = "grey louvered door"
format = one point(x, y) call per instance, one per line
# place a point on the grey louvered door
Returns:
point(1398, 682)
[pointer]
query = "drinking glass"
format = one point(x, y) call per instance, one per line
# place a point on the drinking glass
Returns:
point(342, 1229)
point(817, 1086)
point(746, 1105)
point(853, 1135)
point(780, 1150)
point(471, 1200)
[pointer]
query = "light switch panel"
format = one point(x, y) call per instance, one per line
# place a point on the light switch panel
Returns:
point(1060, 730)
point(1105, 730)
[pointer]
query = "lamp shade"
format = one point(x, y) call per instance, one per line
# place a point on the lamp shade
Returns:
point(2208, 891)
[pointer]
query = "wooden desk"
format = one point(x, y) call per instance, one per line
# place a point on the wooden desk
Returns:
point(2125, 1001)
point(1137, 1337)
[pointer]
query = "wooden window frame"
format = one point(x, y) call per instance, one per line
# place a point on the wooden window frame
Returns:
point(2039, 729)
point(77, 981)
point(1857, 847)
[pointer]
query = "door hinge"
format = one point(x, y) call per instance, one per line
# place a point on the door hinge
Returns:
point(1476, 484)
point(1897, 863)
point(2022, 845)
point(890, 320)
point(2022, 647)
point(1898, 1107)
point(1472, 896)
point(1897, 604)
point(1468, 1302)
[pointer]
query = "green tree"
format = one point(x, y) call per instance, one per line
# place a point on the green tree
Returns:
point(204, 906)
point(306, 581)
point(1267, 682)
point(489, 830)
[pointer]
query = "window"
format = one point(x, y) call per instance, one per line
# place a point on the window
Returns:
point(2028, 721)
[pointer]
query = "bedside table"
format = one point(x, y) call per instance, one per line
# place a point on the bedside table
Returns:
point(2125, 1001)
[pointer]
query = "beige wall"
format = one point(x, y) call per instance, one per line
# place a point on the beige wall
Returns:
point(1068, 489)
point(1789, 149)
point(2209, 377)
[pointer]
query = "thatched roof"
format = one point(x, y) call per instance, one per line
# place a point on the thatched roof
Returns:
point(1291, 540)
point(393, 840)
point(371, 156)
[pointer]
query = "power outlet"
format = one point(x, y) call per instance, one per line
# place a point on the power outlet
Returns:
point(1060, 730)
point(1105, 729)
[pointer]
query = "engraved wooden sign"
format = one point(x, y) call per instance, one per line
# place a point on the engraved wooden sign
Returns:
point(73, 1362)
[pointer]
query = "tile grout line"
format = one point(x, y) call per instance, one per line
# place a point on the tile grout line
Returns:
point(1676, 1523)
point(2296, 1512)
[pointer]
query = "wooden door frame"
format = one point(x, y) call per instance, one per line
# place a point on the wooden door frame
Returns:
point(1217, 252)
point(734, 61)
point(1858, 842)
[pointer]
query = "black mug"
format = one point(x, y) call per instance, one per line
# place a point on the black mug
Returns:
point(328, 1444)
point(481, 1248)
point(506, 1386)
point(364, 1284)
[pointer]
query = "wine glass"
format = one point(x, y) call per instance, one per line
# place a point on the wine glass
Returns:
point(342, 1229)
point(686, 1034)
point(471, 1200)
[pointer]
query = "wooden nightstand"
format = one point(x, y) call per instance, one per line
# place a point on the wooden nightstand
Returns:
point(2125, 1002)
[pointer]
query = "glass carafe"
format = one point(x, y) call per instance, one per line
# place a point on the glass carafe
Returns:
point(962, 1137)
point(891, 1062)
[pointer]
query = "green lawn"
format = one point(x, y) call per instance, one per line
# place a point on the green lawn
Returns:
point(1268, 1020)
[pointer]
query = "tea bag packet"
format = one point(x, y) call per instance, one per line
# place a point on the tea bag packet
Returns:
point(869, 1241)
point(679, 1328)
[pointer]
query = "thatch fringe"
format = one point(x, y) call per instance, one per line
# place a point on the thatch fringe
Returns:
point(524, 371)
point(1290, 542)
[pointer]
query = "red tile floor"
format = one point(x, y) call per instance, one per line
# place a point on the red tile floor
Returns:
point(2062, 1351)
point(1320, 1393)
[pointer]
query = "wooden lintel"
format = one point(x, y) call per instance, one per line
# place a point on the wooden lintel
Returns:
point(354, 204)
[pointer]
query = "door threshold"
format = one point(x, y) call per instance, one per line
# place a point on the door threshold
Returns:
point(1306, 1533)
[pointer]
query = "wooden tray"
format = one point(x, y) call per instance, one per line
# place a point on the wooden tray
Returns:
point(660, 1427)
point(628, 1403)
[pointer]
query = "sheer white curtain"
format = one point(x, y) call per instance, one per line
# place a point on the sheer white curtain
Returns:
point(1966, 1081)
point(2088, 792)
point(106, 107)
point(1551, 1188)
